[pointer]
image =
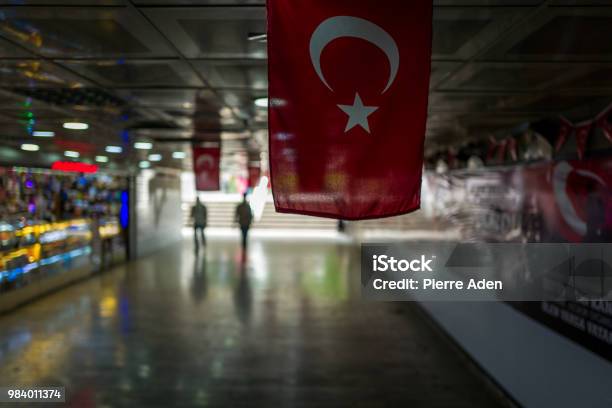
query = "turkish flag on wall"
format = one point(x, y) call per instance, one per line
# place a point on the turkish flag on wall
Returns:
point(348, 87)
point(206, 162)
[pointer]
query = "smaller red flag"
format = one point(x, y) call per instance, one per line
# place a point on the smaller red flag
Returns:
point(254, 176)
point(206, 162)
point(603, 122)
point(512, 148)
point(491, 149)
point(582, 134)
point(564, 131)
point(501, 150)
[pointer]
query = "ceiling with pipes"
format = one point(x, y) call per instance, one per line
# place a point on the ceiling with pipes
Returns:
point(173, 72)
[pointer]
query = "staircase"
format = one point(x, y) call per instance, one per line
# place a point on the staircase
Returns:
point(221, 215)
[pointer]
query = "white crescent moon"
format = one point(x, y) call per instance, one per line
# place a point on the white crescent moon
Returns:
point(561, 173)
point(347, 26)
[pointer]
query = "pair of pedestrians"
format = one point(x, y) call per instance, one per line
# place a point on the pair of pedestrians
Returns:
point(243, 216)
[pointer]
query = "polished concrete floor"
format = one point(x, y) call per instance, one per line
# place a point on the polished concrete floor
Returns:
point(283, 326)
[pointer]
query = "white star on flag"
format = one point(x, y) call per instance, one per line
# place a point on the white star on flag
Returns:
point(358, 114)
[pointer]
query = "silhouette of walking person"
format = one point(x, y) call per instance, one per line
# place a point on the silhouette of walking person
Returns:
point(244, 218)
point(200, 218)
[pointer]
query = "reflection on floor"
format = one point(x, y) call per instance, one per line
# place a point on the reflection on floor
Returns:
point(283, 327)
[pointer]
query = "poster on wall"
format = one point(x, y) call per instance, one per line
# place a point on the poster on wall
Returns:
point(484, 206)
point(206, 166)
point(566, 201)
point(571, 199)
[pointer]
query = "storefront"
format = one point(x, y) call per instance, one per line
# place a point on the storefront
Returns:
point(57, 227)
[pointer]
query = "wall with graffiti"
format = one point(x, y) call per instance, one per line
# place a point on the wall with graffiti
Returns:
point(566, 345)
point(564, 201)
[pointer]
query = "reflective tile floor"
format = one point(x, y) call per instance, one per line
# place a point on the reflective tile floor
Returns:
point(284, 328)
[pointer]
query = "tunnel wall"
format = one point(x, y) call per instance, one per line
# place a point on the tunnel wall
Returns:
point(544, 354)
point(157, 210)
point(536, 366)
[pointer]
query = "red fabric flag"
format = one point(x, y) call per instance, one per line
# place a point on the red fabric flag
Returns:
point(491, 149)
point(348, 88)
point(254, 176)
point(565, 129)
point(206, 168)
point(603, 122)
point(501, 150)
point(582, 134)
point(512, 148)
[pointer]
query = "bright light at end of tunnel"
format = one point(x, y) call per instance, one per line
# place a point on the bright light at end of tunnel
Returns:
point(102, 159)
point(114, 149)
point(144, 164)
point(179, 155)
point(43, 133)
point(29, 147)
point(259, 197)
point(143, 145)
point(261, 102)
point(76, 125)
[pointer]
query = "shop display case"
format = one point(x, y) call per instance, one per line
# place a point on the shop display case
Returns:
point(54, 228)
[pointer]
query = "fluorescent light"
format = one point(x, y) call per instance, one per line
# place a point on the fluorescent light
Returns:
point(143, 145)
point(71, 153)
point(261, 102)
point(114, 149)
point(102, 159)
point(155, 157)
point(259, 37)
point(43, 133)
point(29, 147)
point(144, 164)
point(179, 155)
point(76, 125)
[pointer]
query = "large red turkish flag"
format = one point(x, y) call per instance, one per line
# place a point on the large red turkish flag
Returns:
point(348, 85)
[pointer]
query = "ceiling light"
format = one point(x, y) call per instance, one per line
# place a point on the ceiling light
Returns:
point(29, 147)
point(260, 37)
point(179, 155)
point(187, 105)
point(71, 153)
point(225, 112)
point(144, 164)
point(143, 145)
point(261, 102)
point(43, 133)
point(155, 157)
point(76, 125)
point(102, 159)
point(114, 149)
